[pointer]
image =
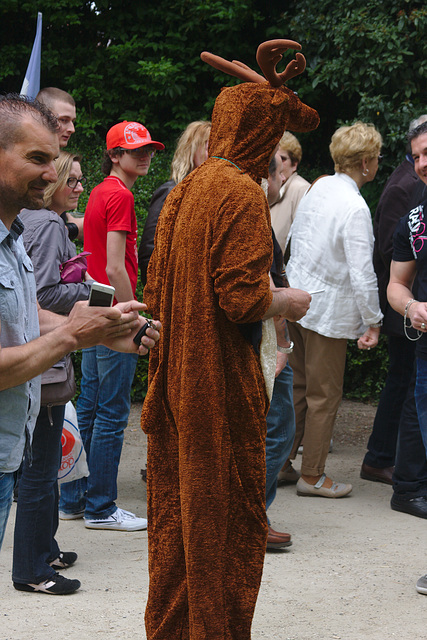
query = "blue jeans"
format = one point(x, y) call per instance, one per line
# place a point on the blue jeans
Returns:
point(102, 413)
point(280, 430)
point(421, 398)
point(7, 482)
point(37, 510)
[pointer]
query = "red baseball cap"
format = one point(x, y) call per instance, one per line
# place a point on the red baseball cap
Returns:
point(130, 135)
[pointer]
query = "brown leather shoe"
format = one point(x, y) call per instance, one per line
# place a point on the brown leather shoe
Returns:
point(377, 475)
point(276, 540)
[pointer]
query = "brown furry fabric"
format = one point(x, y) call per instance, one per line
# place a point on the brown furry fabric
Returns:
point(205, 409)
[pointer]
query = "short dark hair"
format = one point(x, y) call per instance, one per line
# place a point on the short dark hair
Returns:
point(49, 95)
point(107, 163)
point(13, 108)
point(417, 132)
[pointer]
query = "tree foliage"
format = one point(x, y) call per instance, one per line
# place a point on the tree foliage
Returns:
point(127, 60)
point(366, 60)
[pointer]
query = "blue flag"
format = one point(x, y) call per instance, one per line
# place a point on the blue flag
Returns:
point(31, 84)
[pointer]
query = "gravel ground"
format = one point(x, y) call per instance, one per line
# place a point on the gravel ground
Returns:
point(349, 575)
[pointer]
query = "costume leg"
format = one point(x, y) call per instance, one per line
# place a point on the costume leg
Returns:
point(207, 542)
point(36, 515)
point(166, 613)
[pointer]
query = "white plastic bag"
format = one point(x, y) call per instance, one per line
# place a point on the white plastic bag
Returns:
point(73, 463)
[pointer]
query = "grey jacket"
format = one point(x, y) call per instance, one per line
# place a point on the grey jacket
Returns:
point(48, 245)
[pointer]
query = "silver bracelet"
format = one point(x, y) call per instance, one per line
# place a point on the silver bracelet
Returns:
point(406, 325)
point(286, 349)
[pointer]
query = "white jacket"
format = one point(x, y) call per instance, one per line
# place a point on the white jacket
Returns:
point(331, 248)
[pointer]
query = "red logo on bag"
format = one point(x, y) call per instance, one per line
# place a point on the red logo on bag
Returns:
point(67, 442)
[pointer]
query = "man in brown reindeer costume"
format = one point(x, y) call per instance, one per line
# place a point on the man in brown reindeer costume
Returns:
point(204, 414)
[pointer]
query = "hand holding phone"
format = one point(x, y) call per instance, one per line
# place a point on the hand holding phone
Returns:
point(101, 295)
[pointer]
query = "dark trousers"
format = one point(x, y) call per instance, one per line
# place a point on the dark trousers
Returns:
point(410, 474)
point(37, 510)
point(382, 442)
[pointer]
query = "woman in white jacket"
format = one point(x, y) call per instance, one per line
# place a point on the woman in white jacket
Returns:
point(331, 252)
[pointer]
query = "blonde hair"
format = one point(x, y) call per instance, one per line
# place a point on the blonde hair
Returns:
point(290, 144)
point(195, 135)
point(349, 145)
point(63, 164)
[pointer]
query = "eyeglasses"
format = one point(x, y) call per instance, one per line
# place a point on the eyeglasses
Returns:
point(141, 152)
point(380, 158)
point(73, 182)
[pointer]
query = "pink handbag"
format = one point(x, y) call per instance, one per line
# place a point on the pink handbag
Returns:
point(74, 269)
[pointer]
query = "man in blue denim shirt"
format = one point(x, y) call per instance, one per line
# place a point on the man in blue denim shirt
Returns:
point(28, 146)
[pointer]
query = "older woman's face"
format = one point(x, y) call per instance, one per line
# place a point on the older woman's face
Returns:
point(288, 167)
point(67, 198)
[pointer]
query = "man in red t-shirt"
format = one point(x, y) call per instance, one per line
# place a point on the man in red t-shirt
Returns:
point(110, 234)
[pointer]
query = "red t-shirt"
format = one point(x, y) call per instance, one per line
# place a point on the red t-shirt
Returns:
point(110, 208)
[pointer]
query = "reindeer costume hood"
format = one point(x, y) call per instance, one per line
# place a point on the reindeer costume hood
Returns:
point(248, 121)
point(205, 409)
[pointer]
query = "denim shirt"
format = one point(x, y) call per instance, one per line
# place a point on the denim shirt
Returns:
point(19, 406)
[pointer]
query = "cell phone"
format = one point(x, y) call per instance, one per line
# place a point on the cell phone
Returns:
point(101, 295)
point(142, 331)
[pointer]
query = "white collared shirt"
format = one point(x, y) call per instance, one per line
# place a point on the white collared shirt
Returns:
point(331, 249)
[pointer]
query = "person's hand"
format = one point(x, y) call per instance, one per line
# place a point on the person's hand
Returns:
point(369, 338)
point(298, 303)
point(97, 325)
point(125, 343)
point(281, 362)
point(417, 313)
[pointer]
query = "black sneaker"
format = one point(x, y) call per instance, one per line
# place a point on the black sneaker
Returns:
point(64, 560)
point(57, 585)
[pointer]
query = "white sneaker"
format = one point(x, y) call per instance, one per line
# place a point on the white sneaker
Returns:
point(120, 520)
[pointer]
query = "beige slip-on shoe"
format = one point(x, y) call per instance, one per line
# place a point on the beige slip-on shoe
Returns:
point(338, 489)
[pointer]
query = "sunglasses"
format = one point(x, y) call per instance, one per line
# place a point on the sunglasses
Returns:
point(141, 152)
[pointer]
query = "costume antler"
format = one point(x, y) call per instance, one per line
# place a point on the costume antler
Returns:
point(268, 55)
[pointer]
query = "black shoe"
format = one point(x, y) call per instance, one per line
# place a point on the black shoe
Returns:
point(414, 506)
point(55, 586)
point(64, 560)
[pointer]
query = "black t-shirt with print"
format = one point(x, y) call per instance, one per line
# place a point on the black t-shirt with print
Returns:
point(410, 243)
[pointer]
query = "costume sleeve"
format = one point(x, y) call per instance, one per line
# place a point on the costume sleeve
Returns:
point(358, 248)
point(47, 246)
point(241, 255)
point(120, 211)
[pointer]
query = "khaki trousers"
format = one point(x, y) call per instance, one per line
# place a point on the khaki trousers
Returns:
point(318, 364)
